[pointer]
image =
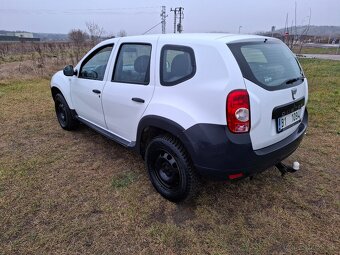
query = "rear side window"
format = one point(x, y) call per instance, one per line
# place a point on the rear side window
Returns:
point(268, 64)
point(177, 64)
point(133, 64)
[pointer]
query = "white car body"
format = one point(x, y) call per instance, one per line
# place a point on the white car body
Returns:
point(198, 100)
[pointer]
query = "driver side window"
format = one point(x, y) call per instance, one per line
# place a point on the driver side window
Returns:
point(94, 66)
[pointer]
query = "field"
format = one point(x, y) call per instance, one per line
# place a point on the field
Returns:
point(313, 50)
point(79, 193)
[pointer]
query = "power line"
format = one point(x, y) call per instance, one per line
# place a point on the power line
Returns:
point(77, 10)
point(152, 28)
point(135, 10)
point(163, 21)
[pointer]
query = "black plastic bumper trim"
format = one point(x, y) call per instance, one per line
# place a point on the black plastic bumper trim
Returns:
point(217, 153)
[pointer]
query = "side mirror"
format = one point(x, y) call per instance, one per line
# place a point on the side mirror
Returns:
point(69, 71)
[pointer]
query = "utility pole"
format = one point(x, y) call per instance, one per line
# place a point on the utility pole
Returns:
point(181, 16)
point(286, 32)
point(178, 11)
point(295, 36)
point(175, 18)
point(163, 17)
point(291, 38)
point(239, 29)
point(273, 30)
point(286, 24)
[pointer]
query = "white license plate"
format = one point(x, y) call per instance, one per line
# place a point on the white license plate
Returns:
point(288, 120)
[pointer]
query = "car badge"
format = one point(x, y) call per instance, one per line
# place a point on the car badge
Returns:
point(294, 93)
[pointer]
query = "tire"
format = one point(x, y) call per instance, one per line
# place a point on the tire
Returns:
point(170, 169)
point(64, 114)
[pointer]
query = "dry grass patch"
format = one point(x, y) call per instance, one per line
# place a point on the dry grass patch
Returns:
point(79, 193)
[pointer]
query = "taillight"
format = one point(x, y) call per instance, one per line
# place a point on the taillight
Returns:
point(238, 111)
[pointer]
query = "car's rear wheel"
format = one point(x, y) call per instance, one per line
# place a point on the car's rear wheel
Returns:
point(64, 114)
point(170, 169)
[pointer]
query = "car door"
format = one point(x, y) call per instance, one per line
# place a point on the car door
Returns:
point(87, 88)
point(131, 87)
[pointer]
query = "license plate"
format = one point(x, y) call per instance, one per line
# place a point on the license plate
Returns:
point(288, 120)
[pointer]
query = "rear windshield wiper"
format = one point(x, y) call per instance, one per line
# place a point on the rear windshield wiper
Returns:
point(290, 81)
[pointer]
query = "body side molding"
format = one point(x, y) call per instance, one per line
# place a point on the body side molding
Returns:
point(111, 136)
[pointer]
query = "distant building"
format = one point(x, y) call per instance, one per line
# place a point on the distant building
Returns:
point(18, 37)
point(20, 34)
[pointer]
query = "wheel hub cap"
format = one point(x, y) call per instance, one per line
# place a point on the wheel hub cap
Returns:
point(167, 170)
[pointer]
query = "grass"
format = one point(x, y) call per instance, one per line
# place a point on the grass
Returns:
point(324, 101)
point(79, 193)
point(313, 50)
point(123, 181)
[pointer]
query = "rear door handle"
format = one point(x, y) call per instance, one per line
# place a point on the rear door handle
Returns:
point(96, 91)
point(138, 100)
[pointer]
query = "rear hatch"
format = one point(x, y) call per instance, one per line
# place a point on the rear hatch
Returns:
point(276, 86)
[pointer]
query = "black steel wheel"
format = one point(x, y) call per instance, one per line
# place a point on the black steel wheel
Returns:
point(63, 112)
point(166, 170)
point(170, 169)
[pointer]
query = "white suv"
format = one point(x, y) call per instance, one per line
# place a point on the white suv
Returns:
point(193, 105)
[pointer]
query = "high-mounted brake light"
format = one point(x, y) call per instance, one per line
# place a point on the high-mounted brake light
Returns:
point(238, 111)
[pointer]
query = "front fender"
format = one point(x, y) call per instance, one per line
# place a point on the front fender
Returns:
point(62, 82)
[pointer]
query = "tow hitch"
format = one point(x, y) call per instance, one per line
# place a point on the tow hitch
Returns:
point(288, 169)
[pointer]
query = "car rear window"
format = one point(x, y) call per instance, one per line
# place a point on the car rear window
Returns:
point(177, 64)
point(268, 64)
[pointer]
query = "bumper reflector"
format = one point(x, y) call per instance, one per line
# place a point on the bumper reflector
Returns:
point(235, 176)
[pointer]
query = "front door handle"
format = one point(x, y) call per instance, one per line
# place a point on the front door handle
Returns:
point(138, 100)
point(96, 91)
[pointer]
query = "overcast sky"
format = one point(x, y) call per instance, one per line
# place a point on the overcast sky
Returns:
point(137, 16)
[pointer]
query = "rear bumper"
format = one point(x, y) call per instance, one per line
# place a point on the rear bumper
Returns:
point(218, 153)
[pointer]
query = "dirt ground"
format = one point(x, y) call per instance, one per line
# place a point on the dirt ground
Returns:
point(79, 193)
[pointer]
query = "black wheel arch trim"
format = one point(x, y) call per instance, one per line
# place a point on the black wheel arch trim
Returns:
point(54, 91)
point(163, 123)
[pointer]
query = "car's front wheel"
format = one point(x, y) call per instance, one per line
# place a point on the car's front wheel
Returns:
point(64, 114)
point(170, 169)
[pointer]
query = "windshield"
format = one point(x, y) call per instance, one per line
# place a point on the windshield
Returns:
point(268, 64)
